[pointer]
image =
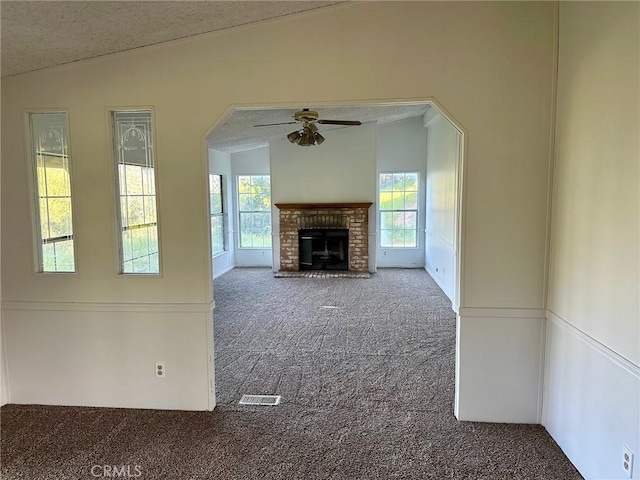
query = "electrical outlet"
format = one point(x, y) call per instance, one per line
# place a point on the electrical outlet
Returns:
point(161, 369)
point(627, 461)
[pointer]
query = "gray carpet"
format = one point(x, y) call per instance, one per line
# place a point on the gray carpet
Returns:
point(367, 393)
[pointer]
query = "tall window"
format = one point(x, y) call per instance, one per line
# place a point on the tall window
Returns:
point(217, 214)
point(138, 222)
point(49, 141)
point(254, 202)
point(398, 210)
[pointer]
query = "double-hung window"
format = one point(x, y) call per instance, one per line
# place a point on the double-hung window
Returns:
point(254, 207)
point(398, 201)
point(217, 214)
point(52, 192)
point(136, 186)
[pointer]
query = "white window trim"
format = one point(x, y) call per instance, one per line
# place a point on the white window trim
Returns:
point(223, 215)
point(417, 210)
point(238, 211)
point(118, 258)
point(32, 182)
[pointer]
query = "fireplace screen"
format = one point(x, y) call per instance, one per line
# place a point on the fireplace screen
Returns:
point(324, 249)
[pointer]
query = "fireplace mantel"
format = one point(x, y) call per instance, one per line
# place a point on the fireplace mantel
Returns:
point(316, 206)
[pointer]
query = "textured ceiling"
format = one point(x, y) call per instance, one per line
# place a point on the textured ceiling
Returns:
point(238, 133)
point(41, 34)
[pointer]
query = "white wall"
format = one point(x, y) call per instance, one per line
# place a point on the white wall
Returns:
point(494, 77)
point(255, 162)
point(342, 169)
point(220, 163)
point(91, 355)
point(442, 190)
point(592, 393)
point(402, 148)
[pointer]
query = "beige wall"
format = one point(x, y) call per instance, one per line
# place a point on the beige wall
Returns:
point(592, 392)
point(596, 208)
point(489, 64)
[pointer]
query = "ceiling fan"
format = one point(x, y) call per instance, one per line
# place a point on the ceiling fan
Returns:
point(308, 135)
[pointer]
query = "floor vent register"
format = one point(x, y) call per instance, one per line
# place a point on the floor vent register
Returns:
point(269, 400)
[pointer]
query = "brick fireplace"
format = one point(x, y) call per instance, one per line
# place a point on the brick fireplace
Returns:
point(353, 217)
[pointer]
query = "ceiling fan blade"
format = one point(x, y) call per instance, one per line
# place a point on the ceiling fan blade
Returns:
point(339, 122)
point(270, 124)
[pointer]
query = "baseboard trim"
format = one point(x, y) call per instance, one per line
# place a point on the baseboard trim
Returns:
point(109, 307)
point(434, 277)
point(224, 271)
point(502, 312)
point(600, 348)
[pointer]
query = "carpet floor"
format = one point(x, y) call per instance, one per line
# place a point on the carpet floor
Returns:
point(365, 368)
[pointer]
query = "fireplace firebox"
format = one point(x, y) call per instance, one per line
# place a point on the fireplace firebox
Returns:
point(324, 249)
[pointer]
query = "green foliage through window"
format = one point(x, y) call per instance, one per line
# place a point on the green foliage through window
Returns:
point(133, 140)
point(53, 191)
point(254, 207)
point(398, 204)
point(217, 214)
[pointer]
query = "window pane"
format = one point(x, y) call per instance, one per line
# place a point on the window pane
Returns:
point(385, 182)
point(410, 220)
point(398, 238)
point(398, 182)
point(245, 203)
point(64, 256)
point(59, 217)
point(150, 216)
point(254, 205)
point(57, 181)
point(398, 205)
point(244, 184)
point(217, 234)
point(52, 189)
point(216, 204)
point(133, 179)
point(410, 238)
point(386, 201)
point(134, 145)
point(386, 220)
point(398, 220)
point(49, 257)
point(217, 218)
point(411, 182)
point(411, 200)
point(135, 211)
point(126, 245)
point(215, 193)
point(398, 200)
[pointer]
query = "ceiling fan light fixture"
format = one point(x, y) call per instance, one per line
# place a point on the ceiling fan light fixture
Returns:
point(318, 138)
point(294, 137)
point(306, 138)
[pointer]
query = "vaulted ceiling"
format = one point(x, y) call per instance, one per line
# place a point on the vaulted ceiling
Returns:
point(42, 34)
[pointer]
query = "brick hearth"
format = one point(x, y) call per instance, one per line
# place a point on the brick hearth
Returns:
point(299, 216)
